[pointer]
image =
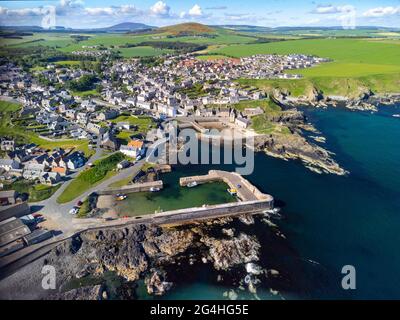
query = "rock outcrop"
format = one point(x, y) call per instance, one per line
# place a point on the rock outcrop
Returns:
point(83, 293)
point(227, 253)
point(156, 283)
point(294, 146)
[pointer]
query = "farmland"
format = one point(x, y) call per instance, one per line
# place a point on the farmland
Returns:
point(357, 63)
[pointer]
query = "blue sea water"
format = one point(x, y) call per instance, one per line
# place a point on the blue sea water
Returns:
point(331, 221)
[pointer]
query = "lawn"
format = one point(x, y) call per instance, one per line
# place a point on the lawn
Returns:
point(87, 93)
point(6, 106)
point(143, 123)
point(103, 169)
point(266, 104)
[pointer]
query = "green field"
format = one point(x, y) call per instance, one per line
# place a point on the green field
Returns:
point(143, 123)
point(103, 169)
point(142, 52)
point(351, 57)
point(358, 65)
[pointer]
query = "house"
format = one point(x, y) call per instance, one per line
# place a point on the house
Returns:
point(129, 151)
point(9, 164)
point(75, 160)
point(109, 142)
point(223, 112)
point(242, 122)
point(250, 112)
point(41, 159)
point(136, 143)
point(49, 178)
point(134, 148)
point(95, 128)
point(169, 111)
point(30, 148)
point(37, 236)
point(8, 197)
point(33, 171)
point(19, 155)
point(62, 171)
point(7, 145)
point(107, 115)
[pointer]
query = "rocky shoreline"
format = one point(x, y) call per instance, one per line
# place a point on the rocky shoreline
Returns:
point(295, 145)
point(365, 101)
point(160, 258)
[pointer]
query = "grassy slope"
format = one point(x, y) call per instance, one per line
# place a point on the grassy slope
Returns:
point(102, 170)
point(358, 64)
point(19, 133)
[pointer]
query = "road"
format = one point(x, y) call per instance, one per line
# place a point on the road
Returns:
point(59, 213)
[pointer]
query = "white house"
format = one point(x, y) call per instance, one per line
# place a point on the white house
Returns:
point(9, 164)
point(242, 122)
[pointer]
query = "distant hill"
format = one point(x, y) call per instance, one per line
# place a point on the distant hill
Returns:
point(189, 28)
point(243, 28)
point(127, 26)
point(121, 27)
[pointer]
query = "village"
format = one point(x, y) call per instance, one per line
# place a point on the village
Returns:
point(132, 97)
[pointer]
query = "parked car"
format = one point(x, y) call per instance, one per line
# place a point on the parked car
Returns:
point(74, 210)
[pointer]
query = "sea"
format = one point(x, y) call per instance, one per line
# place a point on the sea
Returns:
point(327, 221)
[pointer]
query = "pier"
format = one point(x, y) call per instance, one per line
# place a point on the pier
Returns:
point(245, 190)
point(131, 188)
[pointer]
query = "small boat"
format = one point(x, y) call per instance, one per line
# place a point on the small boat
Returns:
point(192, 184)
point(121, 197)
point(154, 189)
point(272, 211)
point(232, 191)
point(396, 115)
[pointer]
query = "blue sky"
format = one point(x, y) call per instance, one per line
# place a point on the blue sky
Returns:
point(270, 13)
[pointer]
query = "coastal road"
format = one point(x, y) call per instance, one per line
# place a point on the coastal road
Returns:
point(59, 213)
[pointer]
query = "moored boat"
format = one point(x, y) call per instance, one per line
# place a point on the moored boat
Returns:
point(192, 184)
point(120, 197)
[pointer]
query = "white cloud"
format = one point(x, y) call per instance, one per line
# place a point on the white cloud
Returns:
point(160, 8)
point(115, 10)
point(381, 12)
point(71, 3)
point(129, 9)
point(330, 9)
point(25, 11)
point(100, 11)
point(196, 11)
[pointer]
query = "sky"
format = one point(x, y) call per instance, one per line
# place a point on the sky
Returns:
point(268, 13)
